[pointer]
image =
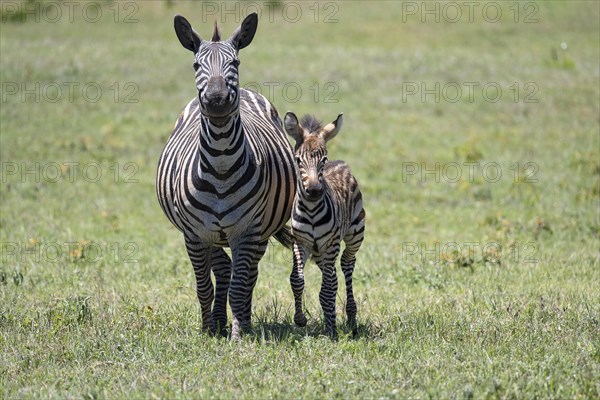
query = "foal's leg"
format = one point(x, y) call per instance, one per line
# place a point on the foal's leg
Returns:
point(297, 282)
point(329, 286)
point(353, 241)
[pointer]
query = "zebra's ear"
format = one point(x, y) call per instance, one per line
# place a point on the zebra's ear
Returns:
point(243, 35)
point(187, 36)
point(293, 128)
point(332, 128)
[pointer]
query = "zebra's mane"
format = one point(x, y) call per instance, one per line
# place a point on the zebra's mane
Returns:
point(310, 123)
point(216, 37)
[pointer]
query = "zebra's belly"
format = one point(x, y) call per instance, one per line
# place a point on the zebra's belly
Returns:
point(216, 222)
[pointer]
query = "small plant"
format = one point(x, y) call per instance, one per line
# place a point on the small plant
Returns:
point(559, 58)
point(468, 152)
point(18, 278)
point(458, 259)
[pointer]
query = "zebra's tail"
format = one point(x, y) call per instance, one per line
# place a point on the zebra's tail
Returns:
point(284, 236)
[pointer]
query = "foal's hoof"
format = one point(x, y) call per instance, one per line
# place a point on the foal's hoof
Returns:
point(300, 320)
point(236, 332)
point(353, 327)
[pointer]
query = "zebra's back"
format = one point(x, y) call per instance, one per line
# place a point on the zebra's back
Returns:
point(344, 190)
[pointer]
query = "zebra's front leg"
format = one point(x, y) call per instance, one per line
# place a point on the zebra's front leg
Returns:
point(297, 282)
point(200, 257)
point(244, 251)
point(221, 267)
point(252, 277)
point(328, 291)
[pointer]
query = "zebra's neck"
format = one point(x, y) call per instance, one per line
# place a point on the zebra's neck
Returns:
point(222, 149)
point(310, 206)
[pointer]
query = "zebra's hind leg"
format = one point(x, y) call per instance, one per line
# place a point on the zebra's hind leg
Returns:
point(221, 267)
point(297, 282)
point(328, 291)
point(252, 277)
point(200, 257)
point(353, 241)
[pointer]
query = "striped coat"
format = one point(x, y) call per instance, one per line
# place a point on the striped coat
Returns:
point(327, 211)
point(226, 177)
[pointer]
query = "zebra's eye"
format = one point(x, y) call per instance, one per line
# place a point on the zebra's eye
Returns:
point(298, 160)
point(196, 66)
point(236, 62)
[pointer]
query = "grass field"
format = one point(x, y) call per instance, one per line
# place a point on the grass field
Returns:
point(475, 140)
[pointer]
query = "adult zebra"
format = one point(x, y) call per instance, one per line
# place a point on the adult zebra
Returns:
point(226, 177)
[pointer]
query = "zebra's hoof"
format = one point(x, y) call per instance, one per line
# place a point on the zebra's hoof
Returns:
point(353, 326)
point(219, 329)
point(332, 333)
point(246, 327)
point(300, 320)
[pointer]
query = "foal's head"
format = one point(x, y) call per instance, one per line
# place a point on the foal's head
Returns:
point(311, 150)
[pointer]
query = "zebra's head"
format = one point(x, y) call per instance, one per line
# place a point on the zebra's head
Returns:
point(311, 151)
point(216, 63)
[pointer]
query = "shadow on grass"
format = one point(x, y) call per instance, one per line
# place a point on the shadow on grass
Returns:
point(287, 331)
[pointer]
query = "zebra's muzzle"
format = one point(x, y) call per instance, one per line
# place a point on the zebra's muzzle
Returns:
point(314, 192)
point(217, 99)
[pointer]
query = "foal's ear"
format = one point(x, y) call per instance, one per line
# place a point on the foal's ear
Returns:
point(187, 36)
point(293, 128)
point(332, 129)
point(243, 35)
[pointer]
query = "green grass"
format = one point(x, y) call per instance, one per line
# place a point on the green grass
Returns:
point(519, 320)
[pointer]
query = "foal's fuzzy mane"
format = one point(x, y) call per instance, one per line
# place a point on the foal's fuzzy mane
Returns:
point(310, 123)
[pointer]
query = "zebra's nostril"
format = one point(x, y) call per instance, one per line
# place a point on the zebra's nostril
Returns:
point(314, 191)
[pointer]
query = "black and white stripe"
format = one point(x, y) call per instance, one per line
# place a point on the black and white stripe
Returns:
point(225, 177)
point(327, 210)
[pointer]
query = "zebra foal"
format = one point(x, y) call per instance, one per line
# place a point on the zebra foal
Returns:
point(327, 210)
point(226, 177)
